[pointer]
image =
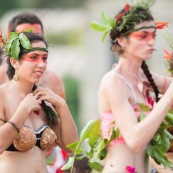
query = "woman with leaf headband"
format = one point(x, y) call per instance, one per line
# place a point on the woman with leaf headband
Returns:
point(32, 119)
point(133, 127)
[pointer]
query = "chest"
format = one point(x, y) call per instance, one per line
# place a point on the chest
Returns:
point(139, 93)
point(34, 119)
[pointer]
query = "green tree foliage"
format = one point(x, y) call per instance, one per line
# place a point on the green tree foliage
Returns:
point(8, 5)
point(72, 87)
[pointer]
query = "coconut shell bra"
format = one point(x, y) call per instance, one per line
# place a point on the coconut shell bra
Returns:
point(27, 138)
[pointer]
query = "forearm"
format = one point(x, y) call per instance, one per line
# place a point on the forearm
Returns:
point(146, 129)
point(69, 132)
point(11, 128)
point(19, 117)
point(160, 168)
point(153, 121)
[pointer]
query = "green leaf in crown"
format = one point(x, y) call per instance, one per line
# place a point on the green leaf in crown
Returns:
point(24, 41)
point(105, 27)
point(13, 36)
point(15, 49)
point(14, 42)
point(128, 18)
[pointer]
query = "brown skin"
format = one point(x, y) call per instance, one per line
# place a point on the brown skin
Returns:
point(23, 103)
point(50, 79)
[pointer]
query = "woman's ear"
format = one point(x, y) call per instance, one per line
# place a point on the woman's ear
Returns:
point(14, 62)
point(122, 42)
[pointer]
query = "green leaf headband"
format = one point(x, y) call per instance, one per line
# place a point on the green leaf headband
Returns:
point(127, 18)
point(12, 46)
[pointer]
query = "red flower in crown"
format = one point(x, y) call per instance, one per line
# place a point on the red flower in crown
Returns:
point(126, 10)
point(167, 56)
point(161, 25)
point(119, 17)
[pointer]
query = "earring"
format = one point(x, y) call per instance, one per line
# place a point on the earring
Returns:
point(15, 77)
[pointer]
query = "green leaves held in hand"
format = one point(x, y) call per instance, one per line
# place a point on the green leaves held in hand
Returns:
point(69, 164)
point(13, 44)
point(107, 25)
point(169, 117)
point(160, 143)
point(159, 146)
point(144, 107)
point(90, 145)
point(96, 166)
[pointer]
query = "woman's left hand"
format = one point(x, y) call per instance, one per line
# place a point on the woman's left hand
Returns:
point(46, 94)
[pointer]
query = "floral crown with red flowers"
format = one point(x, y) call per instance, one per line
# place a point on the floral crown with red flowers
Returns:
point(125, 19)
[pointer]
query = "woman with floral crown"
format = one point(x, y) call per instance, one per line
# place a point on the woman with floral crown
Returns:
point(132, 122)
point(125, 91)
point(33, 119)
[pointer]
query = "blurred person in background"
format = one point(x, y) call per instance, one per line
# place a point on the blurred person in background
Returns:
point(1, 56)
point(27, 21)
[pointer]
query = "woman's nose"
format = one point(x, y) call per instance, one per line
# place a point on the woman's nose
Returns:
point(152, 40)
point(42, 63)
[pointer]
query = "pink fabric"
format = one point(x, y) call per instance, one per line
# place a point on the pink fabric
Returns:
point(108, 124)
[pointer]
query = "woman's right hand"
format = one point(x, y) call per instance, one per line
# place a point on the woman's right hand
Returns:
point(30, 103)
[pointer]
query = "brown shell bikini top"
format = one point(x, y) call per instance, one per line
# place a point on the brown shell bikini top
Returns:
point(27, 138)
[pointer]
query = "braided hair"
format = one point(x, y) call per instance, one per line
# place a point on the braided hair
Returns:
point(150, 79)
point(140, 15)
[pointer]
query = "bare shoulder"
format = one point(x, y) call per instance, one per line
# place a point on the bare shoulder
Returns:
point(111, 81)
point(113, 91)
point(3, 89)
point(3, 75)
point(49, 74)
point(3, 93)
point(53, 81)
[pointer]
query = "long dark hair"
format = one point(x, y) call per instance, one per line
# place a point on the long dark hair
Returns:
point(33, 38)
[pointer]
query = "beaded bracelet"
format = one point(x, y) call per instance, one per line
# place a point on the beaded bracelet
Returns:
point(12, 123)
